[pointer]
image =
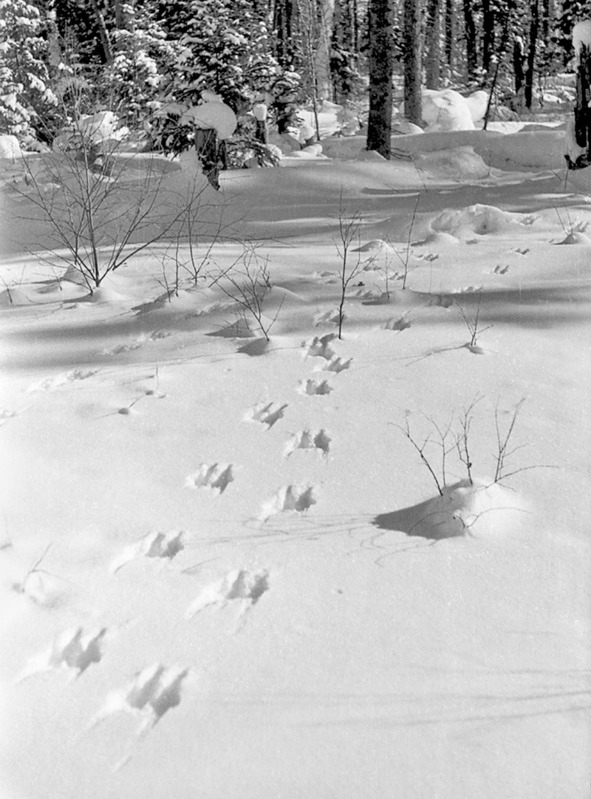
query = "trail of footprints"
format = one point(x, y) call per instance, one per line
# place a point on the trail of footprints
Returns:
point(156, 689)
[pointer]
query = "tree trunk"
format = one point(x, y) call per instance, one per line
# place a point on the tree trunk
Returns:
point(284, 24)
point(381, 67)
point(449, 32)
point(531, 52)
point(413, 106)
point(322, 54)
point(208, 152)
point(471, 43)
point(582, 110)
point(432, 45)
point(103, 32)
point(518, 58)
point(488, 38)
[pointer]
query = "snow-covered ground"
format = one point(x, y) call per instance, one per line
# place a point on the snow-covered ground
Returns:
point(225, 568)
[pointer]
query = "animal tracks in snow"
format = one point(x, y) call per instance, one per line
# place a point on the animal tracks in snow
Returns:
point(150, 694)
point(73, 650)
point(215, 476)
point(308, 440)
point(320, 347)
point(336, 365)
point(51, 383)
point(398, 324)
point(241, 585)
point(288, 498)
point(153, 545)
point(267, 413)
point(315, 388)
point(327, 318)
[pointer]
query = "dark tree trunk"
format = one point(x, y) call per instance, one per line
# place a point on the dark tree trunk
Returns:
point(531, 52)
point(488, 34)
point(471, 42)
point(547, 19)
point(413, 106)
point(210, 154)
point(381, 67)
point(449, 32)
point(432, 45)
point(582, 110)
point(103, 32)
point(284, 24)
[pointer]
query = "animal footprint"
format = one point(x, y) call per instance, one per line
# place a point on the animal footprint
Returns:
point(248, 587)
point(288, 498)
point(315, 388)
point(158, 335)
point(320, 347)
point(119, 349)
point(441, 301)
point(266, 413)
point(215, 476)
point(58, 381)
point(72, 650)
point(402, 323)
point(6, 414)
point(326, 318)
point(522, 250)
point(308, 440)
point(336, 365)
point(326, 276)
point(500, 270)
point(153, 545)
point(151, 693)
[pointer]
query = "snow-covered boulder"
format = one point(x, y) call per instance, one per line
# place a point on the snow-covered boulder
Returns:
point(9, 147)
point(212, 115)
point(401, 127)
point(446, 110)
point(582, 35)
point(477, 103)
point(97, 128)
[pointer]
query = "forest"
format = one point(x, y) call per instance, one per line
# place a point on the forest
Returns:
point(148, 61)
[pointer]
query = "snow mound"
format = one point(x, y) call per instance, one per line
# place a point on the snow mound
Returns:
point(465, 508)
point(12, 297)
point(480, 219)
point(446, 110)
point(459, 164)
point(212, 115)
point(477, 103)
point(581, 35)
point(9, 147)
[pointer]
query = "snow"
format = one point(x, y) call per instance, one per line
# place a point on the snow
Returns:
point(229, 572)
point(212, 114)
point(581, 35)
